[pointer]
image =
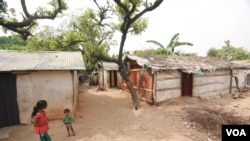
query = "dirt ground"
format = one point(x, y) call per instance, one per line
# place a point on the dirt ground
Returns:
point(109, 116)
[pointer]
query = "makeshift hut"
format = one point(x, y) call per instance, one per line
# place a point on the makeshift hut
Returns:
point(158, 78)
point(108, 75)
point(26, 77)
point(241, 74)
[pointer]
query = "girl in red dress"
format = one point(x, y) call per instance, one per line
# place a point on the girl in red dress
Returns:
point(40, 120)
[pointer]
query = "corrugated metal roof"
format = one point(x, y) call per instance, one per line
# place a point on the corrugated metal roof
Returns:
point(41, 60)
point(108, 65)
point(186, 63)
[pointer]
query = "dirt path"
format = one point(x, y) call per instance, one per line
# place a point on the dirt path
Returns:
point(109, 116)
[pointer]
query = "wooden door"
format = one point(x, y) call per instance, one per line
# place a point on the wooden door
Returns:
point(187, 84)
point(113, 78)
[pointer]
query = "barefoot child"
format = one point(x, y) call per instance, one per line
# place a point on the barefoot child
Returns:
point(68, 120)
point(40, 120)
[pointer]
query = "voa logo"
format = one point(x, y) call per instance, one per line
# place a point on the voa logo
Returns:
point(236, 132)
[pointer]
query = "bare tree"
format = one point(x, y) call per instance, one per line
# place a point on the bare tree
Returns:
point(29, 20)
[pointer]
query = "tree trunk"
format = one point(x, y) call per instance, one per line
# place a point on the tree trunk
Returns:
point(125, 71)
point(125, 76)
point(101, 78)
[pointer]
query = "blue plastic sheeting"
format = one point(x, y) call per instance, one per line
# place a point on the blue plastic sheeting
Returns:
point(198, 73)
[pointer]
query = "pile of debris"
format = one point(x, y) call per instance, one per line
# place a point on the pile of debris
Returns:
point(211, 120)
point(239, 92)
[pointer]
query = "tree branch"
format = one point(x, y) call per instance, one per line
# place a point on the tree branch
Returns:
point(104, 37)
point(72, 42)
point(120, 4)
point(133, 7)
point(19, 27)
point(25, 33)
point(147, 9)
point(96, 3)
point(25, 10)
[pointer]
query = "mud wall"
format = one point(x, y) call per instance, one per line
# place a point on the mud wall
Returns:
point(54, 86)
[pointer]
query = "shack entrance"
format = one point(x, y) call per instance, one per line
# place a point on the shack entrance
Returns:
point(8, 100)
point(187, 84)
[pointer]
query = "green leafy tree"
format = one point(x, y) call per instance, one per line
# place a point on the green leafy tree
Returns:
point(128, 19)
point(145, 52)
point(85, 31)
point(212, 52)
point(170, 48)
point(51, 39)
point(229, 53)
point(94, 32)
point(12, 43)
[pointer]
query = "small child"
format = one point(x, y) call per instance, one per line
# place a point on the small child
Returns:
point(68, 120)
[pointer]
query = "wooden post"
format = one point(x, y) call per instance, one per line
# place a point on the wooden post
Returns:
point(231, 80)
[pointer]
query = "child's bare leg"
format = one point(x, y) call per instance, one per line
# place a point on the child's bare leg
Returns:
point(68, 131)
point(72, 130)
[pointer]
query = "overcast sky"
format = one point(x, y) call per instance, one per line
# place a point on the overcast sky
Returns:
point(205, 23)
